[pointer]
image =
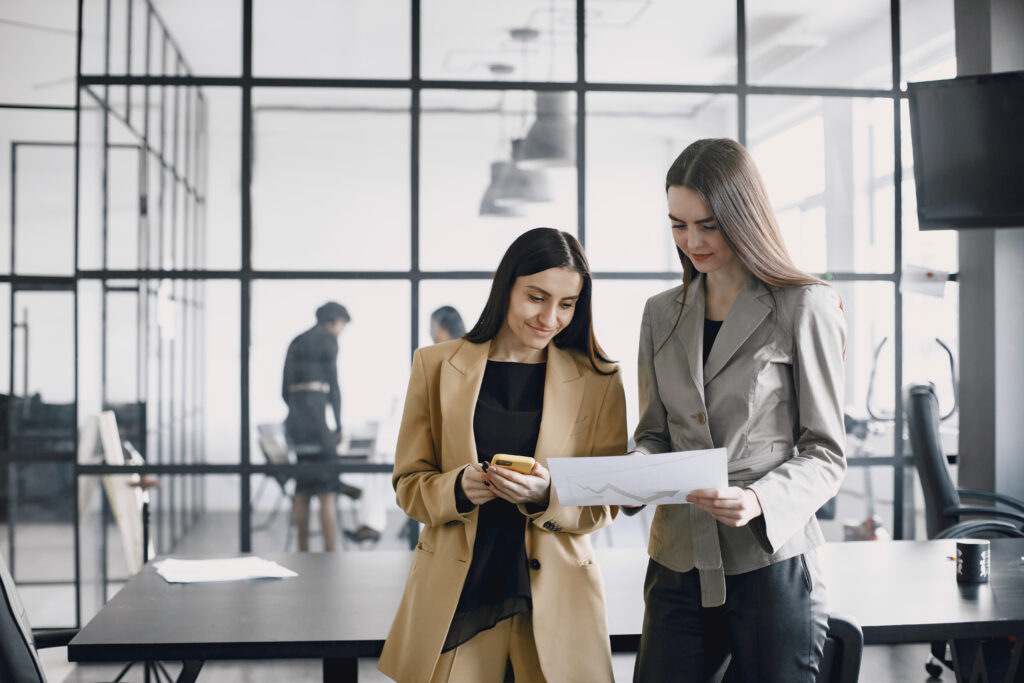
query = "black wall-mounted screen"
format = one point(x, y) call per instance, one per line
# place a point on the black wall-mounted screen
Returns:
point(968, 141)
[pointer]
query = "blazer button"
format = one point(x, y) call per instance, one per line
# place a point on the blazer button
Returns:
point(534, 563)
point(701, 418)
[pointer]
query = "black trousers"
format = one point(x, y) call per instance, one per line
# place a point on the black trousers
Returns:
point(773, 625)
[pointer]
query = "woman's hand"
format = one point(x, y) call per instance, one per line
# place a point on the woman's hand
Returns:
point(521, 488)
point(475, 486)
point(731, 506)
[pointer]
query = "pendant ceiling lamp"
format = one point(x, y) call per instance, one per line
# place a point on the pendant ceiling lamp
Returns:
point(517, 184)
point(551, 140)
point(497, 191)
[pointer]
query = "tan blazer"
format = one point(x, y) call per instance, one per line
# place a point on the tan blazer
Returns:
point(772, 394)
point(584, 414)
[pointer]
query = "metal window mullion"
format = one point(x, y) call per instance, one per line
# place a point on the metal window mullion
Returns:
point(741, 71)
point(74, 410)
point(245, 520)
point(581, 123)
point(414, 175)
point(186, 174)
point(11, 468)
point(174, 185)
point(898, 469)
point(128, 64)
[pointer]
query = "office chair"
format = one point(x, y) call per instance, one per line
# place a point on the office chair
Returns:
point(844, 646)
point(278, 449)
point(840, 658)
point(275, 451)
point(944, 511)
point(19, 661)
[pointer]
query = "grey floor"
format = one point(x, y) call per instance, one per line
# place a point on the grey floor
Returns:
point(40, 549)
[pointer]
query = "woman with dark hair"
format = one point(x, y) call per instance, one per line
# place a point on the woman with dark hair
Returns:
point(310, 382)
point(503, 578)
point(746, 354)
point(446, 324)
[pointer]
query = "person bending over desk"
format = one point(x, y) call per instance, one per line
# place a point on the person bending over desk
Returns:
point(503, 579)
point(746, 354)
point(310, 380)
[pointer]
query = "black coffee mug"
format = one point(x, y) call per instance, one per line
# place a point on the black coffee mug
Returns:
point(972, 560)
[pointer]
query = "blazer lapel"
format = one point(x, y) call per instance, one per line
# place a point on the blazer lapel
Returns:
point(690, 331)
point(563, 394)
point(461, 378)
point(748, 311)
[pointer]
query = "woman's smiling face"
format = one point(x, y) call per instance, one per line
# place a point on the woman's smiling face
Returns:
point(542, 305)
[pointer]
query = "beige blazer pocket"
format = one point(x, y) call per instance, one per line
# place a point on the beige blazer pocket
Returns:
point(580, 426)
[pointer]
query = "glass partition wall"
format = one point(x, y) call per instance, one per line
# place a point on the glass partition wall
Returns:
point(223, 169)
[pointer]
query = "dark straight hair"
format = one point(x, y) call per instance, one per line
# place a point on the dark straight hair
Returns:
point(449, 320)
point(532, 252)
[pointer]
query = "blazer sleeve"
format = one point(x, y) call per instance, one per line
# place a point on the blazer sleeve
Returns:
point(422, 490)
point(609, 439)
point(651, 434)
point(791, 493)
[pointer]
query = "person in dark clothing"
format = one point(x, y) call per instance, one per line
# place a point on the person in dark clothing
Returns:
point(446, 324)
point(310, 381)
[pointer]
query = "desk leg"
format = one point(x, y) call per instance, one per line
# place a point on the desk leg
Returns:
point(341, 670)
point(988, 660)
point(189, 671)
point(966, 653)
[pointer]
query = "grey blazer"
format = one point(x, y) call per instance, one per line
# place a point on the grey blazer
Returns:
point(771, 393)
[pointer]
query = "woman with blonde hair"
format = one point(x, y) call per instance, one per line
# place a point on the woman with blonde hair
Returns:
point(503, 581)
point(746, 354)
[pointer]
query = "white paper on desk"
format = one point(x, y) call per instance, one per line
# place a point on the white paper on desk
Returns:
point(227, 569)
point(665, 478)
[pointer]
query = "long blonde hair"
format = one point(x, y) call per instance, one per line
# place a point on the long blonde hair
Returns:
point(723, 174)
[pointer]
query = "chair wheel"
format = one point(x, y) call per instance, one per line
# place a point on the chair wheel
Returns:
point(934, 670)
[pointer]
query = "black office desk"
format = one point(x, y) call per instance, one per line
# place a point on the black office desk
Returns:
point(340, 606)
point(906, 591)
point(337, 609)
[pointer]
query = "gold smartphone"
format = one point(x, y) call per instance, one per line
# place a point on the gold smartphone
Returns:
point(520, 463)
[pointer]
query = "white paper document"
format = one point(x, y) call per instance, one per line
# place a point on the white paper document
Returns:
point(227, 569)
point(665, 478)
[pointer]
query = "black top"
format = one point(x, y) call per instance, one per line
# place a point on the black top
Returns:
point(507, 420)
point(313, 357)
point(711, 329)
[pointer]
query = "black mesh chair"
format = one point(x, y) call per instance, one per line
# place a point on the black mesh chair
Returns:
point(945, 514)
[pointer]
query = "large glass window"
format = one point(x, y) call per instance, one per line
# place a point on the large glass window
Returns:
point(660, 42)
point(392, 182)
point(37, 176)
point(535, 39)
point(330, 178)
point(807, 43)
point(827, 163)
point(632, 139)
point(313, 39)
point(474, 196)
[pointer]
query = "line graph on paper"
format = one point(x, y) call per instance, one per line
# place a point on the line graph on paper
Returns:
point(665, 478)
